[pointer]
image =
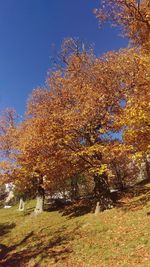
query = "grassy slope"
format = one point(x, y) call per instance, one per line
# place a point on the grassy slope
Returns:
point(117, 237)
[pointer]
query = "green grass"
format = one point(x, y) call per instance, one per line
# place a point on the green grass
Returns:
point(117, 237)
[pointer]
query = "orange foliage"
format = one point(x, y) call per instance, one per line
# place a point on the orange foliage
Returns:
point(132, 15)
point(70, 124)
point(66, 128)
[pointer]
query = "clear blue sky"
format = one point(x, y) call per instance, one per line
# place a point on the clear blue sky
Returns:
point(28, 30)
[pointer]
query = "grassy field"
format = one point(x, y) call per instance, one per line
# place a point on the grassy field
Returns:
point(116, 237)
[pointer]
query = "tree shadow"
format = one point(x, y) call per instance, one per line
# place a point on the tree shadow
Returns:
point(4, 250)
point(56, 249)
point(86, 205)
point(28, 211)
point(137, 197)
point(55, 205)
point(144, 182)
point(78, 208)
point(6, 228)
point(82, 206)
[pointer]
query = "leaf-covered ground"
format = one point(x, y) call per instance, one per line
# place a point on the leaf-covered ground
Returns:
point(117, 237)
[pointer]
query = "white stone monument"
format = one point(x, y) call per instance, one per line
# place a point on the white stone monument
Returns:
point(97, 209)
point(21, 205)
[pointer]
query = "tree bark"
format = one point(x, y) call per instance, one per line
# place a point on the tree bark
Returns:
point(40, 200)
point(102, 192)
point(147, 167)
point(119, 177)
point(74, 188)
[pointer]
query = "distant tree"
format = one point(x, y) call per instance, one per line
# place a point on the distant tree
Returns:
point(8, 125)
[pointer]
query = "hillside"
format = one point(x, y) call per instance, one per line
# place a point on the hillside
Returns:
point(116, 237)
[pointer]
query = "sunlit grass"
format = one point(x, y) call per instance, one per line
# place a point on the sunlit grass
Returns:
point(115, 237)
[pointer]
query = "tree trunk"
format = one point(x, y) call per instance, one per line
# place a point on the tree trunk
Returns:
point(119, 177)
point(147, 167)
point(102, 192)
point(144, 170)
point(74, 188)
point(40, 200)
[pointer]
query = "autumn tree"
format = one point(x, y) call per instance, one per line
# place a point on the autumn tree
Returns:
point(68, 125)
point(132, 15)
point(136, 115)
point(134, 18)
point(8, 124)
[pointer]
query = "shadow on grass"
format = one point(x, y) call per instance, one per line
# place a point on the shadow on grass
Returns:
point(55, 205)
point(77, 208)
point(4, 250)
point(28, 211)
point(71, 209)
point(136, 204)
point(6, 228)
point(135, 197)
point(55, 249)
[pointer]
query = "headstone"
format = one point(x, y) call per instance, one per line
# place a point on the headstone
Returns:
point(7, 207)
point(21, 204)
point(9, 197)
point(39, 205)
point(97, 209)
